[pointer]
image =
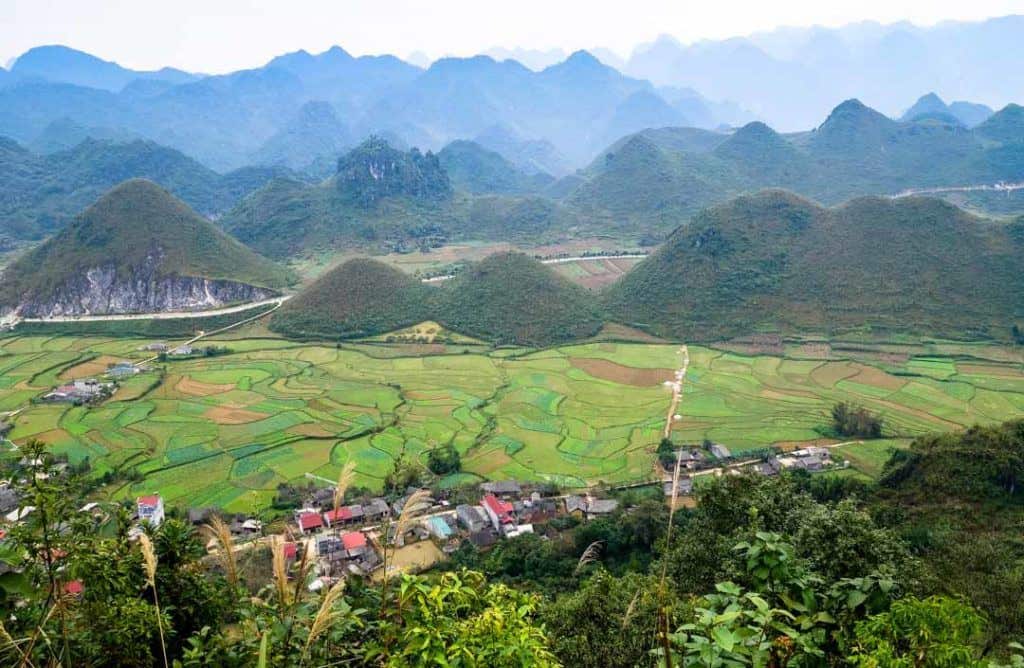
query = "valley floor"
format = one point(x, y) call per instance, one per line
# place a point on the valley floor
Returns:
point(226, 430)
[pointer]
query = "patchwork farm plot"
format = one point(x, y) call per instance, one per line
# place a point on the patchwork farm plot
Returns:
point(226, 430)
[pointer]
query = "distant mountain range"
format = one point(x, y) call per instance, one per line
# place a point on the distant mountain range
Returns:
point(931, 106)
point(386, 198)
point(384, 195)
point(792, 76)
point(300, 107)
point(40, 193)
point(659, 177)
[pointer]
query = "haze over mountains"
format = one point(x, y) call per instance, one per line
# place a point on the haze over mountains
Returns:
point(792, 76)
point(300, 107)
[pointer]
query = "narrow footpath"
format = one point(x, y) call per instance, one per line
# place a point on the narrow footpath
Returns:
point(677, 391)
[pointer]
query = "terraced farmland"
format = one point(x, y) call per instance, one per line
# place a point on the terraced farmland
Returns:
point(226, 430)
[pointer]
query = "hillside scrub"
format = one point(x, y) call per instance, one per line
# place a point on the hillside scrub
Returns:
point(776, 262)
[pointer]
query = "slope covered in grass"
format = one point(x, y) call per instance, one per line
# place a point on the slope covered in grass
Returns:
point(774, 261)
point(137, 229)
point(361, 297)
point(512, 298)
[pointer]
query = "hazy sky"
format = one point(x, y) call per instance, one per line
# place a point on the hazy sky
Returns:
point(223, 35)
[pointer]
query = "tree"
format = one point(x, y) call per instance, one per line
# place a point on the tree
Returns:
point(458, 619)
point(607, 623)
point(444, 460)
point(403, 475)
point(932, 633)
point(855, 421)
point(667, 452)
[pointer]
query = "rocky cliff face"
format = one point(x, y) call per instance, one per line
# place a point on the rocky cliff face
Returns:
point(101, 291)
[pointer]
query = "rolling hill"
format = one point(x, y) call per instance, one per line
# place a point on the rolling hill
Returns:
point(137, 249)
point(968, 114)
point(382, 198)
point(361, 297)
point(776, 262)
point(39, 194)
point(477, 170)
point(660, 177)
point(512, 298)
point(507, 298)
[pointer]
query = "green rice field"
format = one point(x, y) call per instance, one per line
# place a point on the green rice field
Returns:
point(225, 431)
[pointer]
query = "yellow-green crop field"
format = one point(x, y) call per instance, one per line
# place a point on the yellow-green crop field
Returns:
point(226, 430)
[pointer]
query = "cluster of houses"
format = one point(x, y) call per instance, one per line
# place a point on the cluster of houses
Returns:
point(812, 459)
point(809, 459)
point(79, 392)
point(163, 348)
point(350, 539)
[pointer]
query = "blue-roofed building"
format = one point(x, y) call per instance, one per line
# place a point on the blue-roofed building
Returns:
point(440, 528)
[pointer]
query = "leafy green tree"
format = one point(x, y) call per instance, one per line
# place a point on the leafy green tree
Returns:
point(935, 632)
point(444, 460)
point(857, 421)
point(608, 623)
point(457, 619)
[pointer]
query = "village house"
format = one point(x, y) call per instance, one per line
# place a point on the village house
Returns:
point(79, 392)
point(483, 538)
point(290, 552)
point(329, 547)
point(93, 510)
point(588, 507)
point(720, 451)
point(308, 520)
point(321, 497)
point(575, 506)
point(501, 488)
point(601, 507)
point(344, 515)
point(768, 467)
point(150, 509)
point(810, 459)
point(182, 351)
point(19, 514)
point(440, 527)
point(472, 518)
point(499, 512)
point(156, 347)
point(354, 544)
point(122, 370)
point(376, 510)
point(684, 487)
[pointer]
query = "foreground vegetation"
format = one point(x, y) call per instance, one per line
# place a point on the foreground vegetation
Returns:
point(788, 571)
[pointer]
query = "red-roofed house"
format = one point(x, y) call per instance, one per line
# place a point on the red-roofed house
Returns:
point(151, 509)
point(290, 550)
point(75, 588)
point(354, 543)
point(339, 516)
point(500, 512)
point(309, 521)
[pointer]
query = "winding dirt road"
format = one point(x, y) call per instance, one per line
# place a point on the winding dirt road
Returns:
point(677, 391)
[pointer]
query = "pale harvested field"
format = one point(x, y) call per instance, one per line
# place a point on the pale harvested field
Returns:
point(196, 388)
point(229, 415)
point(94, 367)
